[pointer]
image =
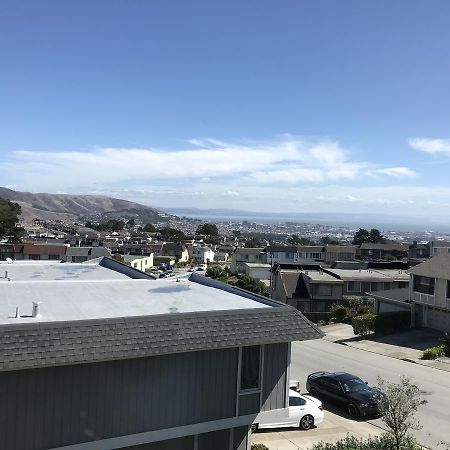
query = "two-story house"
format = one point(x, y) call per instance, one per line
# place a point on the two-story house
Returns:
point(243, 255)
point(102, 356)
point(430, 292)
point(177, 250)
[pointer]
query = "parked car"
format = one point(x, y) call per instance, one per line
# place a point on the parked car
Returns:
point(359, 399)
point(304, 411)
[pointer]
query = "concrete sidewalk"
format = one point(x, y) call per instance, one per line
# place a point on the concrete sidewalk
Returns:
point(407, 345)
point(332, 429)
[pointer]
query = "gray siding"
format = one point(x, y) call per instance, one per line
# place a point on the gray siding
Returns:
point(185, 443)
point(249, 404)
point(217, 440)
point(274, 380)
point(240, 438)
point(64, 405)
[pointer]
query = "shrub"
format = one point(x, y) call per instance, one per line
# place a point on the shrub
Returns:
point(259, 447)
point(445, 344)
point(392, 321)
point(338, 312)
point(382, 442)
point(363, 324)
point(354, 302)
point(434, 352)
point(364, 309)
point(214, 271)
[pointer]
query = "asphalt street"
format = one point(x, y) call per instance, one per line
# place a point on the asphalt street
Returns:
point(313, 356)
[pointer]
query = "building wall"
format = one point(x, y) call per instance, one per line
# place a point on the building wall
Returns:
point(54, 407)
point(72, 404)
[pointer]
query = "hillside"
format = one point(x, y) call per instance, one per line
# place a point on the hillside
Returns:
point(81, 207)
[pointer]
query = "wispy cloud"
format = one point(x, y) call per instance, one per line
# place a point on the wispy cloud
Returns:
point(288, 160)
point(431, 146)
point(398, 172)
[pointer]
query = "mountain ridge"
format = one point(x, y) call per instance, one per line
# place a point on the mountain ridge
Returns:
point(68, 207)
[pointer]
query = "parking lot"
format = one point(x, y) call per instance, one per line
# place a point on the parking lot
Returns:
point(333, 428)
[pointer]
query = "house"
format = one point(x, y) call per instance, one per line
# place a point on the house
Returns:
point(437, 247)
point(223, 252)
point(176, 249)
point(243, 255)
point(142, 263)
point(201, 253)
point(107, 358)
point(310, 291)
point(335, 253)
point(81, 254)
point(364, 281)
point(39, 252)
point(369, 251)
point(430, 292)
point(6, 251)
point(292, 254)
point(418, 251)
point(257, 271)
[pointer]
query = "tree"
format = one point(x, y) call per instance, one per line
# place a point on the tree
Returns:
point(149, 228)
point(9, 219)
point(250, 284)
point(373, 236)
point(172, 234)
point(376, 237)
point(399, 405)
point(297, 240)
point(360, 237)
point(207, 229)
point(131, 223)
point(252, 243)
point(326, 240)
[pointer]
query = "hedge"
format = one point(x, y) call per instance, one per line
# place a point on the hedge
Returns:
point(392, 321)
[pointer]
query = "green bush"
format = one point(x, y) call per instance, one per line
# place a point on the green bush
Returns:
point(364, 309)
point(214, 271)
point(445, 344)
point(338, 312)
point(363, 324)
point(382, 442)
point(259, 447)
point(393, 321)
point(434, 352)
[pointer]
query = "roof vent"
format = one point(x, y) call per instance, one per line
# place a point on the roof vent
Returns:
point(36, 309)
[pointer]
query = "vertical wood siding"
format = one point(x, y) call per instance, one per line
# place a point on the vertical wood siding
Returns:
point(52, 407)
point(274, 381)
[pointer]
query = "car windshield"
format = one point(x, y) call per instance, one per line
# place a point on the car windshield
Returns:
point(354, 385)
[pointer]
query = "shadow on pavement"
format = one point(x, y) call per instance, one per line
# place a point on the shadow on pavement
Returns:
point(418, 339)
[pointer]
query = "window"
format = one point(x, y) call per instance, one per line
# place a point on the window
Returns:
point(287, 254)
point(325, 289)
point(424, 285)
point(296, 401)
point(315, 255)
point(250, 361)
point(54, 257)
point(353, 286)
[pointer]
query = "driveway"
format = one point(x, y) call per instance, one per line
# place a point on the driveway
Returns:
point(333, 428)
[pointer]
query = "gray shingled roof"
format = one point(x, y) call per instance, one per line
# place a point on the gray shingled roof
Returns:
point(26, 346)
point(436, 267)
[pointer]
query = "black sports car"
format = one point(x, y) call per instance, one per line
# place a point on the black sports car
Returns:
point(354, 394)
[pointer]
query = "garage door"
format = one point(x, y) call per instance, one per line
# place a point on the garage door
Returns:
point(439, 320)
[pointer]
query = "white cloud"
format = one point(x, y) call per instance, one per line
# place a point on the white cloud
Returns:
point(431, 146)
point(398, 172)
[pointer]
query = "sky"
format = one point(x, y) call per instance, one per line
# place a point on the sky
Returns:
point(301, 106)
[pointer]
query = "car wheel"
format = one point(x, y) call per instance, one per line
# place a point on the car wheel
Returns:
point(353, 410)
point(306, 422)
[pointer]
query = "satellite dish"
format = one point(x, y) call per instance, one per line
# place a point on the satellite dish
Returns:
point(9, 260)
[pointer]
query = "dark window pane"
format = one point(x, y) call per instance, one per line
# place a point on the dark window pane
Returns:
point(296, 401)
point(424, 285)
point(250, 367)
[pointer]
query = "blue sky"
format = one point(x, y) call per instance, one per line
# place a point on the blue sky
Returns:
point(259, 105)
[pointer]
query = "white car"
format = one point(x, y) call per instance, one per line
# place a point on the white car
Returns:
point(304, 411)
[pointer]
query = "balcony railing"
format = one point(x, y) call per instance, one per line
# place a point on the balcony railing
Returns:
point(426, 299)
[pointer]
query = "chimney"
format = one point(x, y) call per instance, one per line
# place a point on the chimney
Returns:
point(36, 309)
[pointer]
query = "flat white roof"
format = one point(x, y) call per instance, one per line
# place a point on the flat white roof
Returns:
point(322, 277)
point(69, 292)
